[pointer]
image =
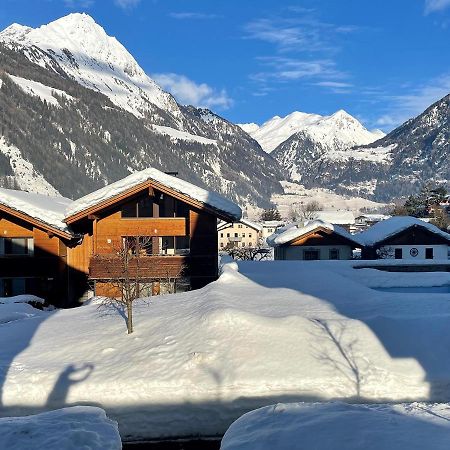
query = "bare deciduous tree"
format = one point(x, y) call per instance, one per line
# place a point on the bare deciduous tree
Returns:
point(125, 275)
point(310, 210)
point(257, 253)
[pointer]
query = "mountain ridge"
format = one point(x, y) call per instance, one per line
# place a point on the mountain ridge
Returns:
point(85, 124)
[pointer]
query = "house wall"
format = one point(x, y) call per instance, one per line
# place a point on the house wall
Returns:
point(297, 252)
point(439, 251)
point(41, 272)
point(238, 235)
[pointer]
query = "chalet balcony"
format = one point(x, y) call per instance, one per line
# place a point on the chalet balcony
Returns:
point(235, 239)
point(107, 267)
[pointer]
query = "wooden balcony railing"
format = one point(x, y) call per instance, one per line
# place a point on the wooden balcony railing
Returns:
point(106, 267)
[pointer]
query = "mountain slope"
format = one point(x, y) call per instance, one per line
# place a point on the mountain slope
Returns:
point(337, 132)
point(82, 113)
point(396, 165)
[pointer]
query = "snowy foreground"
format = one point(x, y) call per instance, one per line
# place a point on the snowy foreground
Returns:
point(79, 427)
point(271, 332)
point(325, 426)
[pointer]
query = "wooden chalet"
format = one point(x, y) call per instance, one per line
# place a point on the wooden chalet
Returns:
point(314, 240)
point(35, 248)
point(177, 221)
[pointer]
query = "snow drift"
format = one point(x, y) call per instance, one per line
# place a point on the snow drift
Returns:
point(269, 332)
point(317, 426)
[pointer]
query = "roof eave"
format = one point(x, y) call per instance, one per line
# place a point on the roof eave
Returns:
point(135, 189)
point(36, 222)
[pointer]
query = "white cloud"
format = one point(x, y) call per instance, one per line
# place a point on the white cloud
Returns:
point(192, 15)
point(304, 49)
point(284, 69)
point(284, 34)
point(127, 4)
point(187, 91)
point(333, 84)
point(436, 5)
point(405, 106)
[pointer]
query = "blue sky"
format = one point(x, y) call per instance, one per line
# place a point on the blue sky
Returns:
point(382, 61)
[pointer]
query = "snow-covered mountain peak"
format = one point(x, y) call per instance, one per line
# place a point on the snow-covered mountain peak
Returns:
point(81, 35)
point(80, 47)
point(339, 129)
point(15, 32)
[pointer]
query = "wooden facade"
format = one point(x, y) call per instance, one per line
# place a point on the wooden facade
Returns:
point(181, 236)
point(40, 266)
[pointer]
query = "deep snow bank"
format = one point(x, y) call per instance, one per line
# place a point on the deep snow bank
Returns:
point(270, 332)
point(79, 427)
point(336, 426)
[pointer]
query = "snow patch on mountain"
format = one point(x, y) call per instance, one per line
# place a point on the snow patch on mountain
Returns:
point(183, 135)
point(338, 131)
point(25, 175)
point(82, 49)
point(45, 93)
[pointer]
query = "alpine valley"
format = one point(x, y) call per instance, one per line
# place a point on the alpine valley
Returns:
point(77, 112)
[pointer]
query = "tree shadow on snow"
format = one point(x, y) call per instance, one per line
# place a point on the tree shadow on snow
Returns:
point(425, 339)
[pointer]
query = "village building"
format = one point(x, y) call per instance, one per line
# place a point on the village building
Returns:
point(244, 233)
point(406, 238)
point(364, 221)
point(269, 227)
point(342, 218)
point(313, 240)
point(59, 249)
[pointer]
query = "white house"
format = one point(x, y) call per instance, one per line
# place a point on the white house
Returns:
point(269, 227)
point(239, 234)
point(313, 240)
point(404, 237)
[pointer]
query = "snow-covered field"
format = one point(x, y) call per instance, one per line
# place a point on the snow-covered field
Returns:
point(325, 426)
point(296, 195)
point(277, 331)
point(78, 427)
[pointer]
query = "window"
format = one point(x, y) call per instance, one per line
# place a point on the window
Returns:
point(243, 234)
point(138, 208)
point(236, 234)
point(240, 226)
point(249, 235)
point(221, 235)
point(429, 254)
point(16, 246)
point(171, 245)
point(228, 234)
point(221, 244)
point(243, 244)
point(138, 245)
point(398, 253)
point(334, 253)
point(311, 255)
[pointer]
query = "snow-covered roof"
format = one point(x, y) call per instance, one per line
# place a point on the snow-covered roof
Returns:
point(256, 226)
point(48, 210)
point(208, 198)
point(373, 217)
point(336, 217)
point(272, 223)
point(296, 230)
point(251, 224)
point(385, 229)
